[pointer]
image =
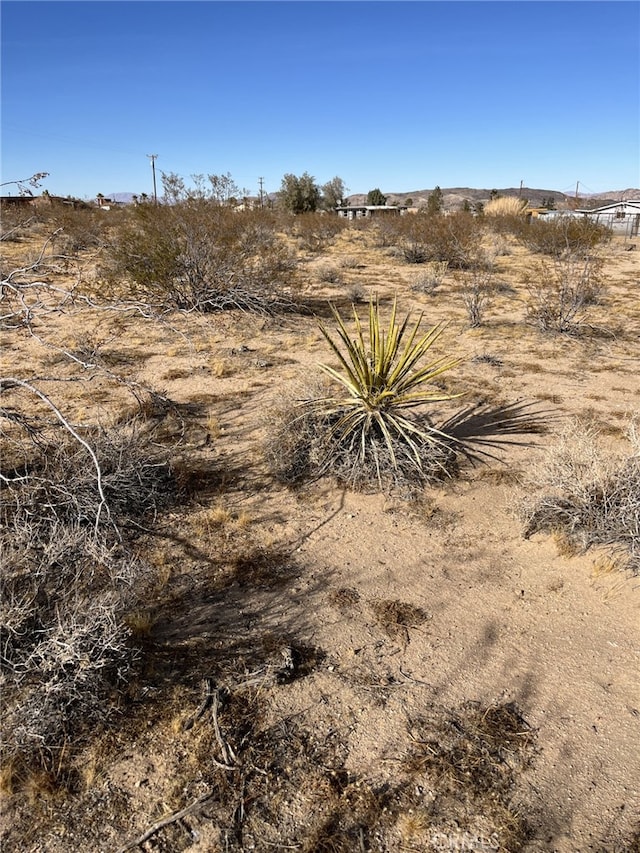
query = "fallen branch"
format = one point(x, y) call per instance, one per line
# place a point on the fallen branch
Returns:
point(166, 821)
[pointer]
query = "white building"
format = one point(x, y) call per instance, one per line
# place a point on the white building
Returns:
point(623, 217)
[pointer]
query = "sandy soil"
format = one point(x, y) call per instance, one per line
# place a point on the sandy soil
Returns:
point(253, 572)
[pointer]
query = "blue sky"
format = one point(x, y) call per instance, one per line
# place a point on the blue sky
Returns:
point(396, 95)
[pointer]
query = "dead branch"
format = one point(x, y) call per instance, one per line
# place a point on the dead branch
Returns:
point(206, 701)
point(11, 382)
point(228, 755)
point(166, 821)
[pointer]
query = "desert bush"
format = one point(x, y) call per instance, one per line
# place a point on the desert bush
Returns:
point(561, 235)
point(314, 232)
point(562, 291)
point(476, 289)
point(15, 222)
point(200, 256)
point(78, 229)
point(454, 240)
point(379, 431)
point(589, 494)
point(69, 577)
point(329, 273)
point(430, 278)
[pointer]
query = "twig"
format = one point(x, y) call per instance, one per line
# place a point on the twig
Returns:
point(10, 382)
point(228, 755)
point(165, 822)
point(208, 696)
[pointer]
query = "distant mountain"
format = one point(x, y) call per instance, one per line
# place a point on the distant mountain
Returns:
point(454, 197)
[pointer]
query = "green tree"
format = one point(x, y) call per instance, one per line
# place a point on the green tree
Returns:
point(376, 197)
point(435, 202)
point(408, 202)
point(299, 194)
point(466, 206)
point(333, 193)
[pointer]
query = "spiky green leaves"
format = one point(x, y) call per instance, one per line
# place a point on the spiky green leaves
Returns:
point(383, 378)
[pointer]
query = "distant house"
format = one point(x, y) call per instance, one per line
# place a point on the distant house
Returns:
point(366, 211)
point(16, 200)
point(622, 216)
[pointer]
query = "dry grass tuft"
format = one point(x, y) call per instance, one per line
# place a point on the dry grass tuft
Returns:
point(472, 758)
point(587, 496)
point(395, 617)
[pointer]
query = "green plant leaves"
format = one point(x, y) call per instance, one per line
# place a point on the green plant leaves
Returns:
point(382, 377)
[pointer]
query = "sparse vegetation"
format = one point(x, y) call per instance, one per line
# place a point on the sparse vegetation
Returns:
point(193, 651)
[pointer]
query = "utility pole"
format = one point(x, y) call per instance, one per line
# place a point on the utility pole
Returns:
point(520, 190)
point(261, 181)
point(153, 158)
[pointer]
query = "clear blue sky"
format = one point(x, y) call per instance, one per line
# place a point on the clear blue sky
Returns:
point(396, 95)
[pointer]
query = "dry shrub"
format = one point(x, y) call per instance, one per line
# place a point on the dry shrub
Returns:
point(79, 228)
point(561, 234)
point(476, 289)
point(69, 577)
point(314, 232)
point(199, 255)
point(329, 273)
point(587, 496)
point(505, 206)
point(561, 292)
point(453, 239)
point(395, 617)
point(16, 222)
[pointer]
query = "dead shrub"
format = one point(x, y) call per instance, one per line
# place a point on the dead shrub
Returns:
point(69, 578)
point(586, 496)
point(429, 279)
point(562, 291)
point(472, 757)
point(476, 289)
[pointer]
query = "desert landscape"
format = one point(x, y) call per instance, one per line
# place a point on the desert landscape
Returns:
point(217, 638)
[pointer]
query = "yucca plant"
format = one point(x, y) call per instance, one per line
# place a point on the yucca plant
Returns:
point(375, 422)
point(380, 429)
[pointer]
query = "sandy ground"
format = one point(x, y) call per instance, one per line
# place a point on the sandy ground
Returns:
point(497, 618)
